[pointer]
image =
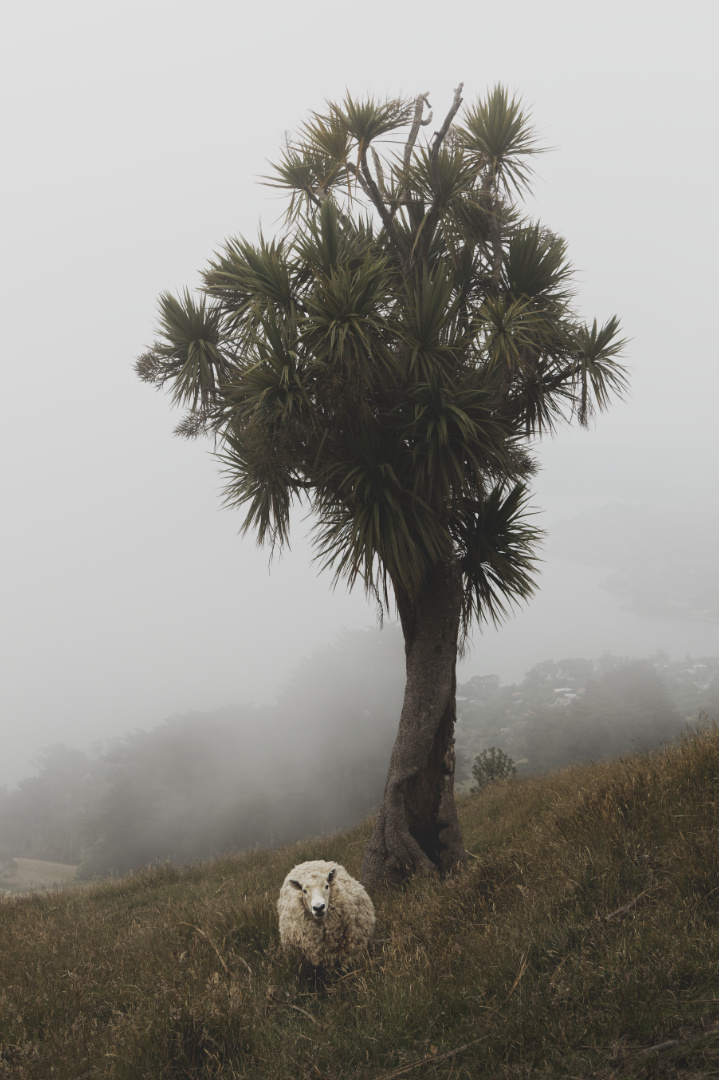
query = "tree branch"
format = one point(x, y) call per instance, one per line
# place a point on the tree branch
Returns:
point(488, 194)
point(417, 123)
point(495, 239)
point(439, 136)
point(370, 187)
point(380, 174)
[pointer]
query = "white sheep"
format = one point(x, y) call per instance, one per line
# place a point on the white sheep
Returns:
point(324, 913)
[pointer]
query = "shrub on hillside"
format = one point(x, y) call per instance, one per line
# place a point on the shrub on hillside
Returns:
point(490, 765)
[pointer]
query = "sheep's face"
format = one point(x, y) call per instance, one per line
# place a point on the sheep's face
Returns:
point(316, 895)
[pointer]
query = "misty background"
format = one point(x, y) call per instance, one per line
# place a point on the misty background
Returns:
point(134, 136)
point(203, 784)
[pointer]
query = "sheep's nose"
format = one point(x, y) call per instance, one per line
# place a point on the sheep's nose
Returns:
point(318, 910)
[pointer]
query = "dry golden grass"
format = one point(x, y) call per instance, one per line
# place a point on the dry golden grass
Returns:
point(582, 941)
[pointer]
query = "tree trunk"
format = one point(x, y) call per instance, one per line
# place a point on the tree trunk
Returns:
point(417, 830)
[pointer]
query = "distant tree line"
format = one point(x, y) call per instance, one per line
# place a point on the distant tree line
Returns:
point(239, 777)
point(205, 783)
point(577, 710)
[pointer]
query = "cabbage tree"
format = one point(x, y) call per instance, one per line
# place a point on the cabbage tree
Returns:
point(388, 360)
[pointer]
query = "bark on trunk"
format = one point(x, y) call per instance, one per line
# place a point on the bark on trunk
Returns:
point(417, 830)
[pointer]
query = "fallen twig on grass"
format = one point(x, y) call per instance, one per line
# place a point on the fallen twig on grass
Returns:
point(669, 1044)
point(520, 973)
point(287, 1005)
point(426, 1060)
point(347, 974)
point(626, 907)
point(660, 1046)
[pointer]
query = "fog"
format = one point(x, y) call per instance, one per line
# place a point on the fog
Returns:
point(206, 783)
point(134, 136)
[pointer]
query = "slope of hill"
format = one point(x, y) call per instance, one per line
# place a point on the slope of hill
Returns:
point(581, 941)
point(28, 874)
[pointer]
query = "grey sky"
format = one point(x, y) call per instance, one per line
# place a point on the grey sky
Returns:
point(133, 136)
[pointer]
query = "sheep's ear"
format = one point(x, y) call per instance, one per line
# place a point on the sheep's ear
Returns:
point(330, 876)
point(295, 883)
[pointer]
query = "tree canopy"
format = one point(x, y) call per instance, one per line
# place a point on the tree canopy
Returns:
point(386, 357)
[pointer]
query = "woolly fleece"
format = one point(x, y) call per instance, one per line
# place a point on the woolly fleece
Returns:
point(345, 929)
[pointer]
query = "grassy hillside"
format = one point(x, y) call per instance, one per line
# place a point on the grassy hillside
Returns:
point(582, 941)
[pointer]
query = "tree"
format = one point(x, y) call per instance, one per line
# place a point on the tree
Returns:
point(386, 361)
point(491, 765)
